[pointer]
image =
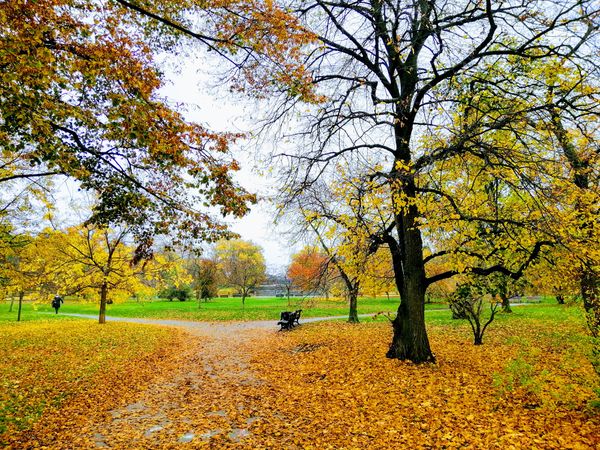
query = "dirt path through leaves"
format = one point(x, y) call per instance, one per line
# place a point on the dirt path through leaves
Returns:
point(243, 386)
point(209, 397)
point(199, 400)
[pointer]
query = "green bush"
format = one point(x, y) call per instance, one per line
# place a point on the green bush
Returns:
point(171, 293)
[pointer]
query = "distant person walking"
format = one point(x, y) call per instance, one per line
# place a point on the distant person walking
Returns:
point(56, 302)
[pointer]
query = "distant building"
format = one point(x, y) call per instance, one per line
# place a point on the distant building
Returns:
point(275, 286)
point(274, 290)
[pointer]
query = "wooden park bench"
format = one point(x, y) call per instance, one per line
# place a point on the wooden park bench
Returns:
point(289, 319)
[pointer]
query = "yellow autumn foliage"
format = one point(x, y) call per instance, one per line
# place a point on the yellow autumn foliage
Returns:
point(331, 388)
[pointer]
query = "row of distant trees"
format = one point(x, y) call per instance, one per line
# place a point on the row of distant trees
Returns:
point(320, 271)
point(102, 264)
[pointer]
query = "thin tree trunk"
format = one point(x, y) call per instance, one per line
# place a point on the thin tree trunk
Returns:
point(478, 335)
point(560, 299)
point(353, 307)
point(352, 286)
point(103, 295)
point(21, 295)
point(12, 302)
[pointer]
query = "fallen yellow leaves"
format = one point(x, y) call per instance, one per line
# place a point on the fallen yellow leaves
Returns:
point(57, 377)
point(343, 394)
point(328, 386)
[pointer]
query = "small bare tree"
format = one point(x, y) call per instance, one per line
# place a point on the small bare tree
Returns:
point(467, 303)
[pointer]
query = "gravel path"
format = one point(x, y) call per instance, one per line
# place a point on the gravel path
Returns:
point(210, 327)
point(211, 398)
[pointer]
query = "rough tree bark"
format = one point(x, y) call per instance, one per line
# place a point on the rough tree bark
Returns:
point(581, 167)
point(409, 340)
point(352, 288)
point(590, 293)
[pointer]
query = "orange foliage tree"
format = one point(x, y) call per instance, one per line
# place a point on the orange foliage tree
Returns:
point(80, 97)
point(309, 271)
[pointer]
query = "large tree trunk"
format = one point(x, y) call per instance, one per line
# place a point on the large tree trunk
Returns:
point(103, 296)
point(21, 295)
point(410, 339)
point(589, 280)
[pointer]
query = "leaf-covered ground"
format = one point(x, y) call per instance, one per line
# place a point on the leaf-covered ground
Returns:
point(327, 385)
point(57, 377)
point(335, 390)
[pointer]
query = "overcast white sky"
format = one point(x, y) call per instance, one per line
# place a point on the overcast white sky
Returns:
point(220, 111)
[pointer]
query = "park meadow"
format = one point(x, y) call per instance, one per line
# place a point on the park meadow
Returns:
point(299, 224)
point(69, 382)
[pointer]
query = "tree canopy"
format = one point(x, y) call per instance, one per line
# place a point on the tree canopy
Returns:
point(470, 123)
point(79, 86)
point(242, 264)
point(436, 102)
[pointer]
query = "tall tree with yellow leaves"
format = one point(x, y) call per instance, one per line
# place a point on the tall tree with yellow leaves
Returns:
point(242, 265)
point(392, 73)
point(345, 215)
point(24, 268)
point(90, 260)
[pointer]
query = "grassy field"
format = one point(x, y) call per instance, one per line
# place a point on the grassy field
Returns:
point(219, 309)
point(214, 310)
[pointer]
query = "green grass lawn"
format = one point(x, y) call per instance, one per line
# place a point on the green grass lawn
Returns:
point(30, 312)
point(214, 310)
point(220, 309)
